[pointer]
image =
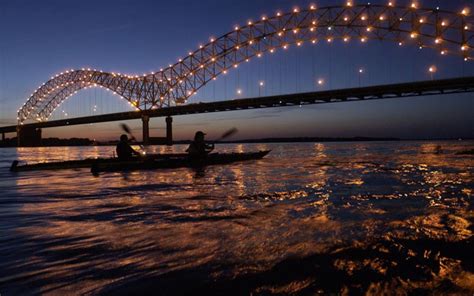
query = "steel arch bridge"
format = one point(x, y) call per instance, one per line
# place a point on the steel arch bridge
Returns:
point(446, 31)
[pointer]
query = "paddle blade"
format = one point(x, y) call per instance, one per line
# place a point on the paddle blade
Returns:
point(229, 133)
point(125, 128)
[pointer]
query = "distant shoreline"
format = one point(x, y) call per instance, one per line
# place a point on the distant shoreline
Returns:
point(56, 142)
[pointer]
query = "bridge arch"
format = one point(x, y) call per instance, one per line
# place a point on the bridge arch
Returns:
point(63, 93)
point(448, 32)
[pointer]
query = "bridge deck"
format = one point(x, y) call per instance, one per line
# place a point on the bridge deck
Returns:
point(423, 88)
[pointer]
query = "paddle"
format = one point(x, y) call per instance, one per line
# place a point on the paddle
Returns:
point(127, 129)
point(227, 134)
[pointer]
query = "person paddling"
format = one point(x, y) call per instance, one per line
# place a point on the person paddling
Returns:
point(124, 150)
point(198, 148)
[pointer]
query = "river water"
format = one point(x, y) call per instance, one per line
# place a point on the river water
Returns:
point(345, 218)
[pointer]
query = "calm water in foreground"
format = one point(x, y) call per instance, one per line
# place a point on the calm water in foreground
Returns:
point(344, 218)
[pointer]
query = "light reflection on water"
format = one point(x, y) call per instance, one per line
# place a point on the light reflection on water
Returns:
point(332, 217)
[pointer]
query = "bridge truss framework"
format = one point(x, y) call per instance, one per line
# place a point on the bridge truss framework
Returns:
point(448, 32)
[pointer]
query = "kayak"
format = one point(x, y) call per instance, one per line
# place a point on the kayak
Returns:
point(83, 163)
point(160, 160)
point(177, 162)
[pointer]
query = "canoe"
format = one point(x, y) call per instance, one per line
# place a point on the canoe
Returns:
point(168, 160)
point(82, 163)
point(177, 162)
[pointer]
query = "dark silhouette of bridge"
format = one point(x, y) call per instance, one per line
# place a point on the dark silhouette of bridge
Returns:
point(403, 90)
point(166, 92)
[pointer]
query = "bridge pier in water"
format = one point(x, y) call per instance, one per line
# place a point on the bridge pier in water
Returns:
point(146, 129)
point(169, 131)
point(3, 137)
point(28, 136)
point(168, 140)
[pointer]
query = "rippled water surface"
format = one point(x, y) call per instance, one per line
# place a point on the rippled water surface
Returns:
point(344, 218)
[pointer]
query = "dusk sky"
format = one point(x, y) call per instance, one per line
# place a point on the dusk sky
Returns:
point(42, 38)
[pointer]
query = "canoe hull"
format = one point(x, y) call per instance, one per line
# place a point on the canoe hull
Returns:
point(152, 161)
point(78, 164)
point(179, 162)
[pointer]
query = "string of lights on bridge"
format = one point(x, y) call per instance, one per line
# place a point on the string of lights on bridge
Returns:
point(171, 87)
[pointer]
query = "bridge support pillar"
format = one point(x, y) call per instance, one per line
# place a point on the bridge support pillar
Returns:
point(28, 136)
point(3, 137)
point(169, 131)
point(146, 129)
